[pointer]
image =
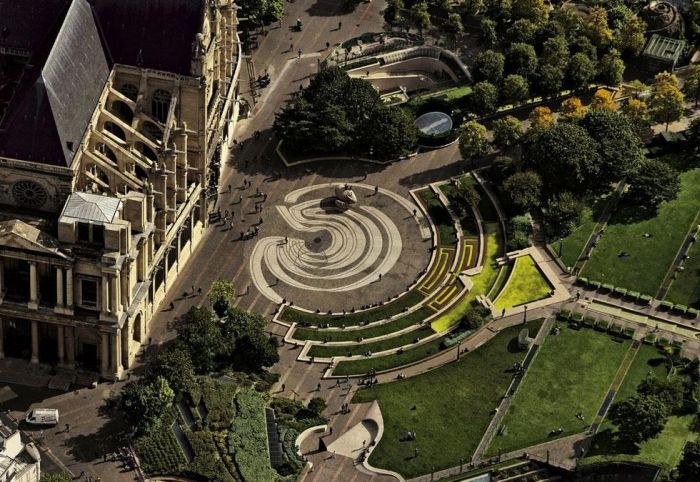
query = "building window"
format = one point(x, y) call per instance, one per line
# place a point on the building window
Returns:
point(88, 293)
point(91, 233)
point(84, 232)
point(161, 104)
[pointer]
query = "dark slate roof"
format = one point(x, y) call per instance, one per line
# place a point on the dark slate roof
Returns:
point(31, 24)
point(155, 34)
point(57, 96)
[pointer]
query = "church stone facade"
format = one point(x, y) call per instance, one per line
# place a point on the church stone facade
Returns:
point(112, 116)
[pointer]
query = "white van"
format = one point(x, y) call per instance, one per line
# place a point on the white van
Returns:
point(42, 416)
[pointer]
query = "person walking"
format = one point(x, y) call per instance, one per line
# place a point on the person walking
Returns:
point(340, 25)
point(299, 53)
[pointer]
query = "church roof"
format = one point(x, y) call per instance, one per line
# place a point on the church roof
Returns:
point(56, 96)
point(18, 235)
point(91, 207)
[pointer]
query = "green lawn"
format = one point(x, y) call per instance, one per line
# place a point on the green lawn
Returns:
point(452, 93)
point(412, 298)
point(570, 374)
point(449, 408)
point(440, 216)
point(569, 249)
point(366, 333)
point(374, 347)
point(664, 450)
point(387, 362)
point(526, 284)
point(685, 289)
point(649, 257)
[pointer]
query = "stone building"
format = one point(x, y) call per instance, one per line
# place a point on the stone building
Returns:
point(112, 114)
point(19, 462)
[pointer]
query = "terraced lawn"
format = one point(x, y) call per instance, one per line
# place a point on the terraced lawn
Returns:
point(685, 289)
point(325, 351)
point(449, 408)
point(388, 362)
point(365, 333)
point(526, 284)
point(649, 245)
point(571, 373)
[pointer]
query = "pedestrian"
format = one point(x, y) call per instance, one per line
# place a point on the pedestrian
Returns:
point(284, 387)
point(256, 230)
point(291, 47)
point(414, 212)
point(503, 313)
point(245, 183)
point(241, 234)
point(192, 289)
point(376, 189)
point(261, 221)
point(318, 387)
point(328, 45)
point(199, 290)
point(364, 442)
point(330, 430)
point(229, 188)
point(340, 25)
point(231, 224)
point(299, 53)
point(264, 197)
point(286, 240)
point(578, 295)
point(380, 276)
point(172, 306)
point(68, 431)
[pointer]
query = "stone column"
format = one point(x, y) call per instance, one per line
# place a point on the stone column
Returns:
point(69, 333)
point(69, 288)
point(104, 359)
point(125, 346)
point(59, 287)
point(35, 341)
point(105, 294)
point(33, 287)
point(2, 338)
point(116, 299)
point(117, 354)
point(61, 344)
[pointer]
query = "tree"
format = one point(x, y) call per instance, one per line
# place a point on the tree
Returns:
point(580, 71)
point(474, 318)
point(669, 390)
point(619, 146)
point(693, 134)
point(471, 7)
point(534, 10)
point(555, 52)
point(564, 148)
point(573, 110)
point(463, 197)
point(454, 24)
point(637, 112)
point(420, 15)
point(317, 405)
point(653, 183)
point(611, 68)
point(523, 190)
point(522, 59)
point(501, 168)
point(389, 132)
point(688, 469)
point(498, 9)
point(598, 30)
point(484, 98)
point(254, 351)
point(666, 102)
point(198, 331)
point(174, 364)
point(507, 132)
point(488, 66)
point(516, 90)
point(638, 418)
point(489, 34)
point(519, 230)
point(392, 12)
point(522, 30)
point(472, 140)
point(549, 79)
point(541, 118)
point(144, 402)
point(636, 88)
point(603, 100)
point(692, 83)
point(630, 37)
point(262, 11)
point(562, 214)
point(221, 296)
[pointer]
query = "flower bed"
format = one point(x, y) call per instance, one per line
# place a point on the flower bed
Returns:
point(247, 441)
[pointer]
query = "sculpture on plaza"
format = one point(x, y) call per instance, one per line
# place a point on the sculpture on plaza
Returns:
point(344, 196)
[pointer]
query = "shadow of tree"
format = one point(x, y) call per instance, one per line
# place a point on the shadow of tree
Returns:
point(111, 435)
point(332, 8)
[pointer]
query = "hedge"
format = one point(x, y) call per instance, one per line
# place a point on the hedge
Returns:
point(207, 461)
point(564, 314)
point(650, 338)
point(646, 298)
point(247, 440)
point(577, 316)
point(589, 321)
point(602, 325)
point(667, 305)
point(582, 280)
point(159, 451)
point(620, 291)
point(693, 312)
point(628, 332)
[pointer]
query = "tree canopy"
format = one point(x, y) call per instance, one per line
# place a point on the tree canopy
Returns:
point(653, 183)
point(639, 418)
point(472, 140)
point(333, 115)
point(145, 401)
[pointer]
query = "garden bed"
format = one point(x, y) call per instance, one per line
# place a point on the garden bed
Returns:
point(328, 351)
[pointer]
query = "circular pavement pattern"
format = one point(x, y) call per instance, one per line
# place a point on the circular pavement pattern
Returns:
point(434, 123)
point(327, 249)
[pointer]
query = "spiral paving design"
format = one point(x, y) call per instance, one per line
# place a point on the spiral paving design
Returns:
point(352, 248)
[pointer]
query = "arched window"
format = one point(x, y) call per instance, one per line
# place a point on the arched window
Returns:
point(136, 335)
point(160, 104)
point(123, 111)
point(146, 151)
point(130, 91)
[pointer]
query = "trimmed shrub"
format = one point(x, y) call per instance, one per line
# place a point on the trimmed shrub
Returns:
point(564, 314)
point(692, 312)
point(620, 291)
point(645, 298)
point(589, 321)
point(582, 280)
point(602, 325)
point(663, 342)
point(633, 295)
point(680, 308)
point(666, 305)
point(577, 316)
point(650, 338)
point(595, 284)
point(614, 329)
point(628, 332)
point(607, 287)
